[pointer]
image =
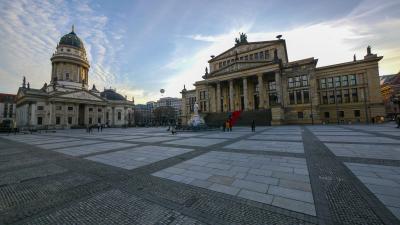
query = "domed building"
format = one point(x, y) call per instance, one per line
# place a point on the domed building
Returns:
point(67, 100)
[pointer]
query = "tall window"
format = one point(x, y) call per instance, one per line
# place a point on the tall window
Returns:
point(322, 83)
point(266, 54)
point(324, 97)
point(256, 56)
point(338, 96)
point(346, 96)
point(306, 96)
point(341, 114)
point(330, 82)
point(273, 99)
point(337, 81)
point(331, 97)
point(58, 120)
point(291, 98)
point(272, 85)
point(291, 82)
point(357, 113)
point(261, 55)
point(39, 120)
point(354, 94)
point(5, 110)
point(353, 80)
point(119, 116)
point(67, 76)
point(297, 81)
point(304, 80)
point(251, 56)
point(326, 115)
point(345, 80)
point(69, 120)
point(298, 97)
point(10, 110)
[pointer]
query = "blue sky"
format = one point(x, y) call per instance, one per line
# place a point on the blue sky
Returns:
point(139, 47)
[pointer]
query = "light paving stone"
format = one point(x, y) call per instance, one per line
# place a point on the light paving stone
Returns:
point(221, 179)
point(261, 179)
point(68, 144)
point(93, 148)
point(201, 183)
point(290, 176)
point(137, 157)
point(294, 205)
point(365, 150)
point(386, 186)
point(154, 139)
point(224, 189)
point(223, 135)
point(256, 196)
point(291, 193)
point(278, 146)
point(250, 185)
point(198, 142)
point(302, 186)
point(358, 139)
point(287, 137)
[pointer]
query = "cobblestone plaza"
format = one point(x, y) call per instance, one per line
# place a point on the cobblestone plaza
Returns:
point(346, 174)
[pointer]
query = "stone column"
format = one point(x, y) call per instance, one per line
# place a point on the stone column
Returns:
point(218, 97)
point(232, 106)
point(261, 91)
point(278, 87)
point(50, 113)
point(245, 94)
point(266, 93)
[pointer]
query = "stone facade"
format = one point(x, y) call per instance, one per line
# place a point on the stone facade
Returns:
point(7, 107)
point(257, 76)
point(67, 101)
point(390, 89)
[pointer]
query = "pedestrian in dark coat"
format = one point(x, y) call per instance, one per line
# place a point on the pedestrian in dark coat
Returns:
point(253, 126)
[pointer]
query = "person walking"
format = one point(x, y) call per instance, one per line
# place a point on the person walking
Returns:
point(230, 124)
point(101, 127)
point(223, 126)
point(173, 130)
point(398, 120)
point(227, 125)
point(253, 126)
point(98, 127)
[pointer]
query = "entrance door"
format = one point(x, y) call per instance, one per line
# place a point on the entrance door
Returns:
point(242, 102)
point(81, 116)
point(256, 102)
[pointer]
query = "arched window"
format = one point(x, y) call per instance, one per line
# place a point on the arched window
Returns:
point(119, 115)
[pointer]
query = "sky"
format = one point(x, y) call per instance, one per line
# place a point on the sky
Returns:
point(141, 46)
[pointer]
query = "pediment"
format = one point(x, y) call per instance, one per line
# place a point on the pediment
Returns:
point(82, 95)
point(243, 48)
point(238, 66)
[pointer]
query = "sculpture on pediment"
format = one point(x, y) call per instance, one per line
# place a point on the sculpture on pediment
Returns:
point(24, 82)
point(242, 39)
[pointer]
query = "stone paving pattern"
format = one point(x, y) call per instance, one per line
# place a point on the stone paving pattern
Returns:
point(277, 175)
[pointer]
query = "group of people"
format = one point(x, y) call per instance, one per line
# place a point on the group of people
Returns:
point(99, 127)
point(227, 125)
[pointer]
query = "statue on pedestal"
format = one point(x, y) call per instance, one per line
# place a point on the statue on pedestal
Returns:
point(196, 119)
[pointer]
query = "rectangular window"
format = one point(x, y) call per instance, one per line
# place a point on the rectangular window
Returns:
point(297, 81)
point(337, 81)
point(354, 94)
point(5, 110)
point(300, 115)
point(90, 109)
point(241, 58)
point(261, 55)
point(90, 120)
point(341, 114)
point(272, 85)
point(119, 116)
point(326, 115)
point(306, 96)
point(345, 80)
point(331, 97)
point(346, 96)
point(357, 113)
point(291, 82)
point(58, 107)
point(298, 97)
point(256, 88)
point(40, 107)
point(291, 98)
point(304, 80)
point(353, 80)
point(273, 99)
point(338, 96)
point(256, 56)
point(329, 80)
point(99, 120)
point(99, 109)
point(324, 98)
point(224, 63)
point(58, 120)
point(266, 54)
point(251, 57)
point(10, 111)
point(39, 120)
point(70, 108)
point(69, 120)
point(322, 83)
point(246, 57)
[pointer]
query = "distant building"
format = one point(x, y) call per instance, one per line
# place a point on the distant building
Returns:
point(188, 100)
point(7, 107)
point(143, 114)
point(390, 89)
point(67, 101)
point(258, 79)
point(175, 103)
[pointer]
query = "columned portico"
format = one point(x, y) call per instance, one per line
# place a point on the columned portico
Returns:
point(245, 94)
point(231, 102)
point(261, 91)
point(218, 100)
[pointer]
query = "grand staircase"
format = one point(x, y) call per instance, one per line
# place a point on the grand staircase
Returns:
point(240, 118)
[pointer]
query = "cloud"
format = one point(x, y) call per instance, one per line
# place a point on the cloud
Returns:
point(30, 31)
point(331, 42)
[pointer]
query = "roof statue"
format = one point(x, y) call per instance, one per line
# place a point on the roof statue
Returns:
point(29, 86)
point(242, 39)
point(354, 58)
point(369, 50)
point(24, 82)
